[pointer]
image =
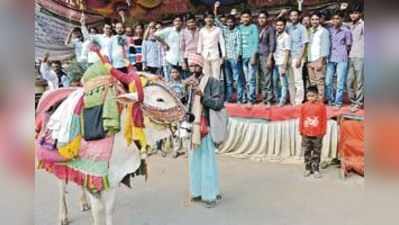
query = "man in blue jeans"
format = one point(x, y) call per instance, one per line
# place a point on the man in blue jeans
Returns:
point(355, 82)
point(249, 44)
point(170, 39)
point(341, 41)
point(281, 56)
point(231, 67)
point(232, 70)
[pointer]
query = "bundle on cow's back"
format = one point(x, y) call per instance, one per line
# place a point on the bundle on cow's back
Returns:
point(80, 127)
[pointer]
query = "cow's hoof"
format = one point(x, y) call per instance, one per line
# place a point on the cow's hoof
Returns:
point(85, 207)
point(64, 221)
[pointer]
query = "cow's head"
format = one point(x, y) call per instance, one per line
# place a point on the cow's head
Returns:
point(160, 104)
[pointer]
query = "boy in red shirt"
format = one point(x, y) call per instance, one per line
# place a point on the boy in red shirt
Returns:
point(312, 126)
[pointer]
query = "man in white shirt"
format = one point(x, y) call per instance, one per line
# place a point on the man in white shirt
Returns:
point(75, 39)
point(88, 55)
point(212, 47)
point(281, 55)
point(170, 39)
point(299, 41)
point(318, 51)
point(54, 75)
point(119, 45)
point(103, 40)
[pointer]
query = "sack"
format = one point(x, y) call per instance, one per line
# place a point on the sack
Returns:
point(203, 126)
point(93, 128)
point(218, 125)
point(46, 149)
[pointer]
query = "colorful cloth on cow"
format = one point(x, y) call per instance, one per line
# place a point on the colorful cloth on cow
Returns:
point(134, 122)
point(70, 150)
point(101, 90)
point(90, 170)
point(62, 122)
point(94, 157)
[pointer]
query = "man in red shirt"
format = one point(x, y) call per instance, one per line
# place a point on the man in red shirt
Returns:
point(312, 126)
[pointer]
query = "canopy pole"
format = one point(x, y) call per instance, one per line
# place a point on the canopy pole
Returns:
point(300, 2)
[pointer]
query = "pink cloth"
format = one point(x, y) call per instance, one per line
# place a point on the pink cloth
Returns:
point(189, 42)
point(137, 112)
point(98, 150)
point(44, 153)
point(50, 98)
point(123, 77)
point(79, 107)
point(195, 59)
point(65, 173)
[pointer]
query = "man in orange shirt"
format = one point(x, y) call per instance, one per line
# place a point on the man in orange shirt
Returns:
point(312, 126)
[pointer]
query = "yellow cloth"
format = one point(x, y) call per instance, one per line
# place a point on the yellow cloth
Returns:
point(71, 150)
point(132, 132)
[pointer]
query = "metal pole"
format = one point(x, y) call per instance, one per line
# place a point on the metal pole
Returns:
point(300, 2)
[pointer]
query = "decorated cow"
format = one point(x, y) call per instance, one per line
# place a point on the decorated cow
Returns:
point(96, 136)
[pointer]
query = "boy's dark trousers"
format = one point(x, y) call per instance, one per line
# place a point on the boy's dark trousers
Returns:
point(312, 151)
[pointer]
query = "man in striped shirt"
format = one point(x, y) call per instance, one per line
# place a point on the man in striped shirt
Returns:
point(232, 38)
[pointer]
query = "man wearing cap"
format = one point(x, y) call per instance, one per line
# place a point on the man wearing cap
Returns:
point(207, 95)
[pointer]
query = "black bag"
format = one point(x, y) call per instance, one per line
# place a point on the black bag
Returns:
point(93, 127)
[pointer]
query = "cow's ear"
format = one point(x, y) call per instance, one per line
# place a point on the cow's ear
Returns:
point(127, 98)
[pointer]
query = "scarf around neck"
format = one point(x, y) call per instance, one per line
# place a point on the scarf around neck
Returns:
point(197, 111)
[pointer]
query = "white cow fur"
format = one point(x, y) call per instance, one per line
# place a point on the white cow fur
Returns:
point(124, 160)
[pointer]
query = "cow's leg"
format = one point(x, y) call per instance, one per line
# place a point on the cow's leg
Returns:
point(63, 210)
point(97, 208)
point(109, 200)
point(84, 204)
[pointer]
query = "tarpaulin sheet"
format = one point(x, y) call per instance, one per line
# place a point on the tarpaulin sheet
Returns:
point(351, 146)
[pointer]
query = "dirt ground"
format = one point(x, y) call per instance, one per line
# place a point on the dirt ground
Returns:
point(254, 193)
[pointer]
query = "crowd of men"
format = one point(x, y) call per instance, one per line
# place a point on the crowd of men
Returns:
point(279, 56)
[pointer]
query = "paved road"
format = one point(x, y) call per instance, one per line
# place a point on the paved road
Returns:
point(255, 193)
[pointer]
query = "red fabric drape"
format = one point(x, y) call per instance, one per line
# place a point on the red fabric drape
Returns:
point(137, 112)
point(351, 145)
point(277, 113)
